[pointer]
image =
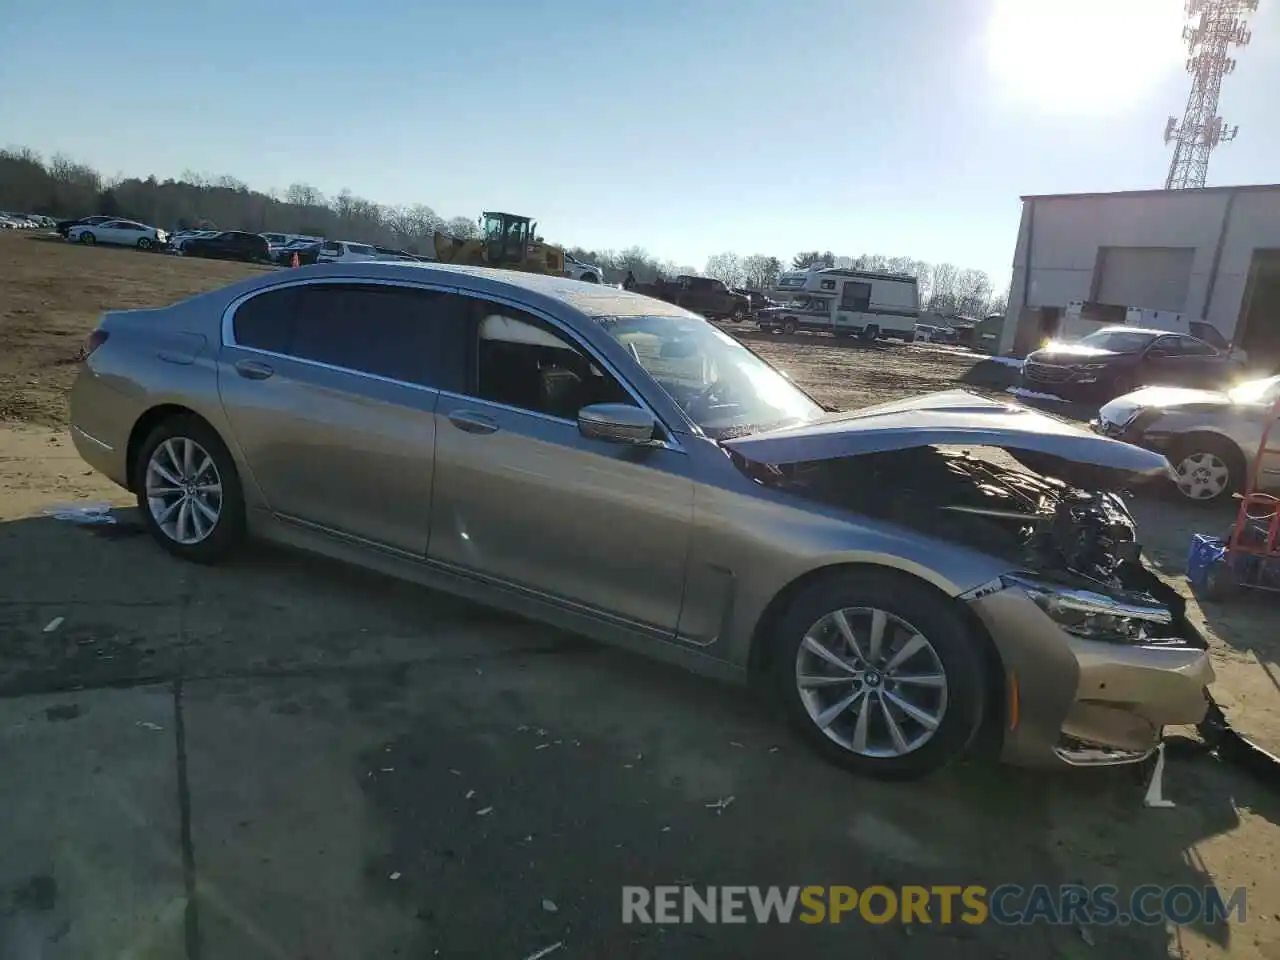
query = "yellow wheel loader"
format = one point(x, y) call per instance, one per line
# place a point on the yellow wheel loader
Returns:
point(506, 241)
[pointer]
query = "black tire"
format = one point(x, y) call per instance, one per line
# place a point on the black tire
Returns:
point(789, 327)
point(88, 238)
point(739, 314)
point(145, 243)
point(1218, 447)
point(590, 278)
point(229, 530)
point(870, 333)
point(928, 613)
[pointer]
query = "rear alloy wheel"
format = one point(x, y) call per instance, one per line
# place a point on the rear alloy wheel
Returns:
point(1207, 472)
point(880, 674)
point(145, 243)
point(88, 237)
point(188, 491)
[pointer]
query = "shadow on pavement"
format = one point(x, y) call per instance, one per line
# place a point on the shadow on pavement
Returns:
point(498, 764)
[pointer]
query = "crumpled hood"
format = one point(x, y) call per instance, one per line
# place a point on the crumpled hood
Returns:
point(1044, 443)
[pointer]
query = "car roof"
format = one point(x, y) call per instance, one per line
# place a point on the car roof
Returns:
point(1120, 328)
point(591, 299)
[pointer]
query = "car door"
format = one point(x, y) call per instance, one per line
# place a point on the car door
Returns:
point(330, 390)
point(522, 497)
point(1176, 360)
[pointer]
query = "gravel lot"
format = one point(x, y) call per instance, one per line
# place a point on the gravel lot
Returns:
point(289, 758)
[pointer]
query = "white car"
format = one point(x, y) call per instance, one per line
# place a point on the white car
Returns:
point(576, 269)
point(125, 233)
point(18, 221)
point(345, 251)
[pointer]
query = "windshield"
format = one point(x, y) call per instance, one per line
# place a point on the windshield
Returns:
point(724, 388)
point(1118, 341)
point(1256, 391)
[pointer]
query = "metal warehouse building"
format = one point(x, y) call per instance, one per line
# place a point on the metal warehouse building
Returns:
point(1212, 254)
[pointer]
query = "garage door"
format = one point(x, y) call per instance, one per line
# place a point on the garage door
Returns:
point(1154, 278)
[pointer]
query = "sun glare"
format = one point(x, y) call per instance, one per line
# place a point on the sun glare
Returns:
point(1085, 57)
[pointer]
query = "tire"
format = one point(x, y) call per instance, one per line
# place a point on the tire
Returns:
point(789, 327)
point(145, 243)
point(870, 333)
point(590, 278)
point(88, 238)
point(1210, 469)
point(909, 608)
point(167, 443)
point(739, 314)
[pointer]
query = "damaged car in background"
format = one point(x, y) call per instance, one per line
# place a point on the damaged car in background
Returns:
point(913, 581)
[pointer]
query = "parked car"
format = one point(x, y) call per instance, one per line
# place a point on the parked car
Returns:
point(757, 300)
point(20, 221)
point(64, 226)
point(229, 245)
point(703, 295)
point(177, 241)
point(619, 467)
point(344, 251)
point(1116, 360)
point(576, 269)
point(403, 256)
point(127, 233)
point(1211, 437)
point(306, 251)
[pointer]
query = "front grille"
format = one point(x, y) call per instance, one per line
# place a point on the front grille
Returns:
point(1046, 373)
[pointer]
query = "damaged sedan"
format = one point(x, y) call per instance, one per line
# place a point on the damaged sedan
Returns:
point(914, 582)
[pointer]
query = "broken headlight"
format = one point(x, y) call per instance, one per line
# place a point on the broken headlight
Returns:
point(1092, 615)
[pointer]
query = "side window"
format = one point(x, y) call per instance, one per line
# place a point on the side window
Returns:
point(523, 363)
point(387, 331)
point(855, 297)
point(330, 248)
point(1191, 347)
point(1166, 347)
point(828, 284)
point(265, 322)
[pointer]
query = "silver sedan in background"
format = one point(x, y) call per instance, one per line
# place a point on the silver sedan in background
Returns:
point(909, 580)
point(1211, 437)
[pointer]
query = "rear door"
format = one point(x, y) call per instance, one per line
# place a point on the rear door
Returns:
point(1183, 361)
point(331, 389)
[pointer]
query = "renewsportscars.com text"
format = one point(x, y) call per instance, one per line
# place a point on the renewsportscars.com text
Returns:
point(1008, 905)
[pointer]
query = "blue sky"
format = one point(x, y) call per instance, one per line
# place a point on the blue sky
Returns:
point(877, 126)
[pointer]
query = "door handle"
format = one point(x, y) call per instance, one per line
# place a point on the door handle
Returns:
point(253, 370)
point(469, 422)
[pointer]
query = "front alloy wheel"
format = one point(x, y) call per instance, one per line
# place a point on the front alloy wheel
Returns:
point(880, 672)
point(871, 682)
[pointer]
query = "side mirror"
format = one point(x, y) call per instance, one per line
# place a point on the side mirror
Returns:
point(618, 423)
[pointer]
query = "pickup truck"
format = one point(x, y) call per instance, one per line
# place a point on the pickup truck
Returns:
point(704, 295)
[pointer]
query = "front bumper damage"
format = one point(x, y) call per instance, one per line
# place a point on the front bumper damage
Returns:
point(1079, 702)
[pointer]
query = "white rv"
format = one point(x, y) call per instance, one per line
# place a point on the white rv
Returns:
point(846, 303)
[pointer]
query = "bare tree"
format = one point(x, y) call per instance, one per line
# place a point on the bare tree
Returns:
point(726, 267)
point(464, 228)
point(760, 272)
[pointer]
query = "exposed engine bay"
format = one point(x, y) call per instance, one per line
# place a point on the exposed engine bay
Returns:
point(988, 500)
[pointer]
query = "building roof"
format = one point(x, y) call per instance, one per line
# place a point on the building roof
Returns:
point(1241, 188)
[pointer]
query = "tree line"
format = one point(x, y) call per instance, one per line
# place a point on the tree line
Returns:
point(63, 187)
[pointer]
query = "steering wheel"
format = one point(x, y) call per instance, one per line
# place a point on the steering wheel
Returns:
point(704, 397)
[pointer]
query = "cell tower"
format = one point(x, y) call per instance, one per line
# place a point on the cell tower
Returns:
point(1221, 26)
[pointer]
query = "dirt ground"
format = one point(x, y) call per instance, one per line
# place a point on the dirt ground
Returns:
point(288, 758)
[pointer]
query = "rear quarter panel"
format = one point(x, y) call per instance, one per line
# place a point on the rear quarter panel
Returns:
point(152, 358)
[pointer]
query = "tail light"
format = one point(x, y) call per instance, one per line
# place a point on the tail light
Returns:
point(92, 343)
